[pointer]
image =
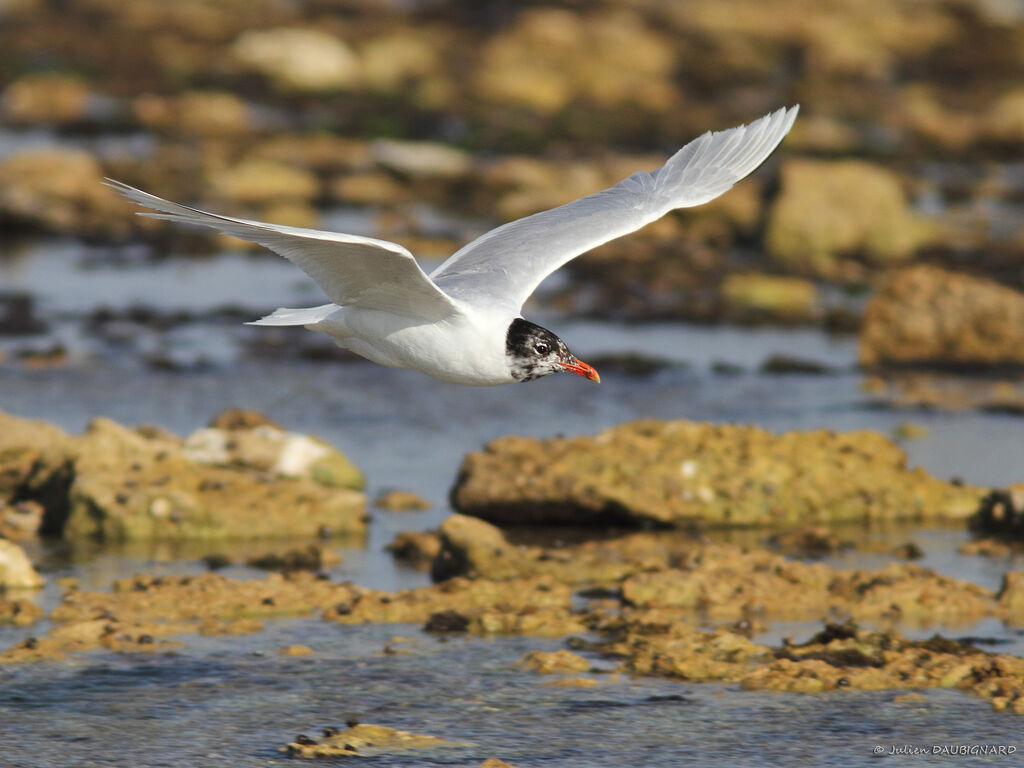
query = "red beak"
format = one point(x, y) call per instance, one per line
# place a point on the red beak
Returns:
point(582, 369)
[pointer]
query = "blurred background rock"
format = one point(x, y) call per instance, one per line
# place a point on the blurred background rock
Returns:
point(438, 120)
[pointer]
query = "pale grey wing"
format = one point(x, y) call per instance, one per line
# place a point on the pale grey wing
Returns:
point(351, 270)
point(505, 265)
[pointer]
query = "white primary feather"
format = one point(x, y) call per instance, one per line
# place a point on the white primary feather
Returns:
point(504, 266)
point(352, 270)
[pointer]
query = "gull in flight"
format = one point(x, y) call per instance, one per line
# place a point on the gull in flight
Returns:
point(462, 323)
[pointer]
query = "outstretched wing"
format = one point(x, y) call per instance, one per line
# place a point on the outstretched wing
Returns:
point(351, 270)
point(505, 265)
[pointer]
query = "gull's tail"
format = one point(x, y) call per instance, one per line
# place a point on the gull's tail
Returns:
point(286, 316)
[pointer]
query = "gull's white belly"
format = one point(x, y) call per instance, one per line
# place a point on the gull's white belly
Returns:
point(464, 350)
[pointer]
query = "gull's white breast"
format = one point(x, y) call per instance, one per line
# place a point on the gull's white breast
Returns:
point(468, 348)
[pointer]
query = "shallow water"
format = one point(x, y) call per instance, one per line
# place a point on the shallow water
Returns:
point(220, 701)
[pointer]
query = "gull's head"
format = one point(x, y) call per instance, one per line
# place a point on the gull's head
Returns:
point(532, 352)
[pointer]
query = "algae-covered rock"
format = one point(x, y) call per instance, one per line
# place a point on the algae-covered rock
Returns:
point(554, 662)
point(269, 449)
point(260, 182)
point(59, 189)
point(19, 612)
point(843, 656)
point(47, 97)
point(16, 571)
point(127, 486)
point(927, 315)
point(365, 739)
point(681, 472)
point(551, 57)
point(827, 210)
point(401, 501)
point(751, 297)
point(30, 451)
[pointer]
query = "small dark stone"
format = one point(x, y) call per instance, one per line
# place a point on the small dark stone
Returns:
point(216, 561)
point(330, 731)
point(268, 601)
point(304, 740)
point(843, 682)
point(145, 640)
point(446, 621)
point(352, 722)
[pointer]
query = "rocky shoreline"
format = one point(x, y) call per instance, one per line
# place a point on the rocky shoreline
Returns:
point(677, 606)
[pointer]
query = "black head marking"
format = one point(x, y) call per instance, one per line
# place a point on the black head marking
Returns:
point(533, 351)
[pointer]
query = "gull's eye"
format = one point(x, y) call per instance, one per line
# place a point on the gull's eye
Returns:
point(541, 347)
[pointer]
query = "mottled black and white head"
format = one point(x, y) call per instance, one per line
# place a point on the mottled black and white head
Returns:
point(533, 352)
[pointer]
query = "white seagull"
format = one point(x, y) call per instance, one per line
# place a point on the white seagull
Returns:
point(462, 323)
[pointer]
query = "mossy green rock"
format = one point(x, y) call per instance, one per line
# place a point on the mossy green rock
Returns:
point(681, 472)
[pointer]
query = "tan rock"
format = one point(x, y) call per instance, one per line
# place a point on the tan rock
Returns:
point(550, 57)
point(364, 738)
point(830, 209)
point(928, 315)
point(298, 59)
point(127, 486)
point(680, 472)
point(48, 97)
point(261, 182)
point(60, 189)
point(213, 114)
point(559, 662)
point(16, 571)
point(401, 501)
point(758, 297)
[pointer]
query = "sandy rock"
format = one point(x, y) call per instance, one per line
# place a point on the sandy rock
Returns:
point(528, 606)
point(550, 57)
point(553, 662)
point(60, 189)
point(298, 59)
point(401, 501)
point(19, 612)
point(46, 98)
point(275, 452)
point(680, 472)
point(391, 61)
point(211, 114)
point(94, 634)
point(1005, 121)
point(127, 486)
point(368, 189)
point(16, 571)
point(750, 297)
point(365, 739)
point(296, 650)
point(261, 182)
point(843, 656)
point(30, 451)
point(827, 210)
point(494, 762)
point(416, 548)
point(785, 589)
point(422, 159)
point(927, 315)
point(536, 606)
point(312, 558)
